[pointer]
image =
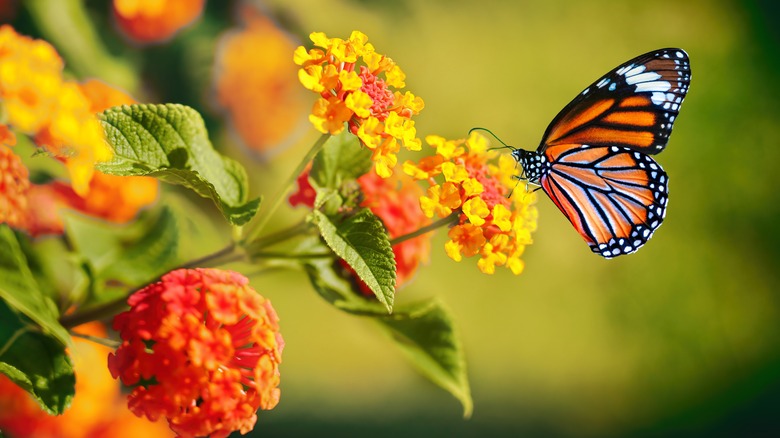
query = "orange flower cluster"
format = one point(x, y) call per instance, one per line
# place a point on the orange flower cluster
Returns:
point(151, 21)
point(39, 102)
point(14, 183)
point(202, 349)
point(356, 87)
point(257, 87)
point(464, 181)
point(97, 410)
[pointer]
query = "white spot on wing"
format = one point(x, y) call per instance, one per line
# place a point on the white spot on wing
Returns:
point(636, 70)
point(662, 86)
point(644, 77)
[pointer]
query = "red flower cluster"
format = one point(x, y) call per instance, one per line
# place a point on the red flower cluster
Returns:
point(202, 349)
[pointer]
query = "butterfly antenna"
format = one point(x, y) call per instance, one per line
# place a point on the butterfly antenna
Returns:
point(506, 146)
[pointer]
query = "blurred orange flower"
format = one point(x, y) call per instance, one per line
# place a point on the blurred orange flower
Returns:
point(152, 21)
point(97, 409)
point(14, 183)
point(256, 85)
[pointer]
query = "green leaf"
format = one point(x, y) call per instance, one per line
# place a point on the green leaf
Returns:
point(339, 291)
point(170, 142)
point(149, 257)
point(35, 361)
point(361, 240)
point(425, 333)
point(130, 255)
point(20, 291)
point(341, 159)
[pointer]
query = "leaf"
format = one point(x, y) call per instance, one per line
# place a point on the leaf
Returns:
point(341, 159)
point(35, 361)
point(130, 255)
point(170, 142)
point(149, 257)
point(425, 333)
point(20, 291)
point(361, 240)
point(339, 291)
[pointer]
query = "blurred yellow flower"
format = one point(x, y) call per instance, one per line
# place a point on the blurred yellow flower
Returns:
point(39, 102)
point(257, 86)
point(463, 179)
point(356, 88)
point(149, 21)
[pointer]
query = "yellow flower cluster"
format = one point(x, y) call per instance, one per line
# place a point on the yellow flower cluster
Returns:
point(463, 179)
point(358, 88)
point(38, 101)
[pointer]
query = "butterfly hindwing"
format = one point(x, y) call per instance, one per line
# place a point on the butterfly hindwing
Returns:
point(615, 197)
point(634, 106)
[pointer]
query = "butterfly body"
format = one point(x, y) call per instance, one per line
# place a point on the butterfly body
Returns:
point(594, 158)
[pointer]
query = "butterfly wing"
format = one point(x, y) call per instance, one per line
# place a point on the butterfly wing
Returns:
point(634, 106)
point(614, 196)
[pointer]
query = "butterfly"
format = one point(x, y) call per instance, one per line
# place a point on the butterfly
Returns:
point(594, 158)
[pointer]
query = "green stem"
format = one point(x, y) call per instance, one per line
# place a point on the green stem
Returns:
point(110, 343)
point(224, 255)
point(278, 236)
point(282, 195)
point(449, 220)
point(281, 255)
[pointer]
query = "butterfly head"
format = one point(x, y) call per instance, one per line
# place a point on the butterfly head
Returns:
point(533, 163)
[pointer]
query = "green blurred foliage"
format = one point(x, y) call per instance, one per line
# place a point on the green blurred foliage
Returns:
point(680, 339)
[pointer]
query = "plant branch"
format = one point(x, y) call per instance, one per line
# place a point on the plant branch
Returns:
point(449, 220)
point(288, 185)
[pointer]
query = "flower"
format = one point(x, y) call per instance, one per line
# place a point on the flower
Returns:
point(200, 348)
point(14, 183)
point(305, 195)
point(359, 88)
point(255, 85)
point(97, 409)
point(466, 180)
point(114, 198)
point(39, 102)
point(153, 21)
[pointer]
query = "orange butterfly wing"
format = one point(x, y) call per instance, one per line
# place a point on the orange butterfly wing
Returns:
point(598, 172)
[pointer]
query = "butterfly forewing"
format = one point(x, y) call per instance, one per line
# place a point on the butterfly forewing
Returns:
point(634, 106)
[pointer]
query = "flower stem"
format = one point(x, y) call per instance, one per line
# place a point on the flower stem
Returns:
point(449, 220)
point(277, 237)
point(225, 255)
point(288, 185)
point(102, 341)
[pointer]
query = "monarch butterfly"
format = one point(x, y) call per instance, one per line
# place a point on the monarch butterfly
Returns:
point(594, 158)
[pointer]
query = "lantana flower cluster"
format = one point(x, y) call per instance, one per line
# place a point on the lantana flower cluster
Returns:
point(200, 348)
point(59, 115)
point(464, 181)
point(359, 88)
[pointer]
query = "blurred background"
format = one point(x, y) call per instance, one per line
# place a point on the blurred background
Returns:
point(680, 339)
